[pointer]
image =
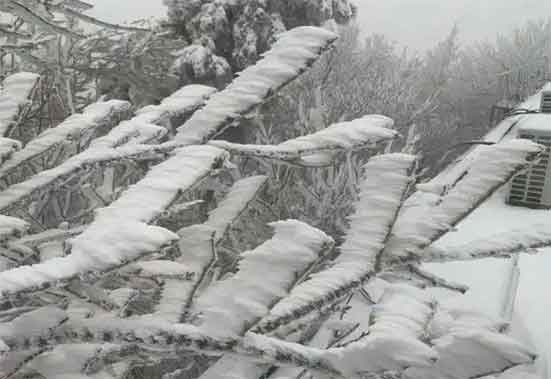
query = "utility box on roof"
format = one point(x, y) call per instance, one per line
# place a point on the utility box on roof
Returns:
point(532, 188)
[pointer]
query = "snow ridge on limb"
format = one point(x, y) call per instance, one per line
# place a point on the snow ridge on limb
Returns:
point(77, 129)
point(398, 324)
point(290, 55)
point(370, 228)
point(419, 226)
point(350, 135)
point(198, 247)
point(470, 346)
point(152, 332)
point(16, 92)
point(120, 232)
point(500, 245)
point(145, 125)
point(15, 195)
point(266, 275)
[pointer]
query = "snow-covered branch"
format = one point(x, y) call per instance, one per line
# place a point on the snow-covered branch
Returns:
point(418, 226)
point(501, 245)
point(68, 138)
point(291, 55)
point(370, 228)
point(360, 133)
point(198, 244)
point(120, 232)
point(266, 275)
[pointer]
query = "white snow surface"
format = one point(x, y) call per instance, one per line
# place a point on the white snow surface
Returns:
point(369, 129)
point(14, 95)
point(289, 56)
point(265, 276)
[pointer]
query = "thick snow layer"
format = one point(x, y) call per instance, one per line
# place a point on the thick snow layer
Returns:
point(265, 276)
point(145, 125)
point(183, 101)
point(74, 128)
point(125, 139)
point(294, 51)
point(20, 191)
point(398, 323)
point(120, 232)
point(469, 352)
point(15, 93)
point(341, 136)
point(369, 229)
point(420, 224)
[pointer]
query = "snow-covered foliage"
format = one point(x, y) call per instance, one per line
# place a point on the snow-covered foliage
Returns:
point(238, 32)
point(231, 305)
point(91, 271)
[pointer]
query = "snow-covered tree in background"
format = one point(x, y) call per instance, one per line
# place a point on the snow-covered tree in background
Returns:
point(129, 244)
point(226, 36)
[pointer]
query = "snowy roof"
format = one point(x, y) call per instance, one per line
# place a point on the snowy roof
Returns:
point(494, 219)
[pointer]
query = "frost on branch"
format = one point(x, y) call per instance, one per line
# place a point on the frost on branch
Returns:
point(120, 232)
point(73, 135)
point(501, 245)
point(370, 227)
point(419, 225)
point(290, 56)
point(362, 132)
point(16, 93)
point(266, 274)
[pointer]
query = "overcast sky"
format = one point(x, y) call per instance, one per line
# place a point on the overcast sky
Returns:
point(415, 23)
